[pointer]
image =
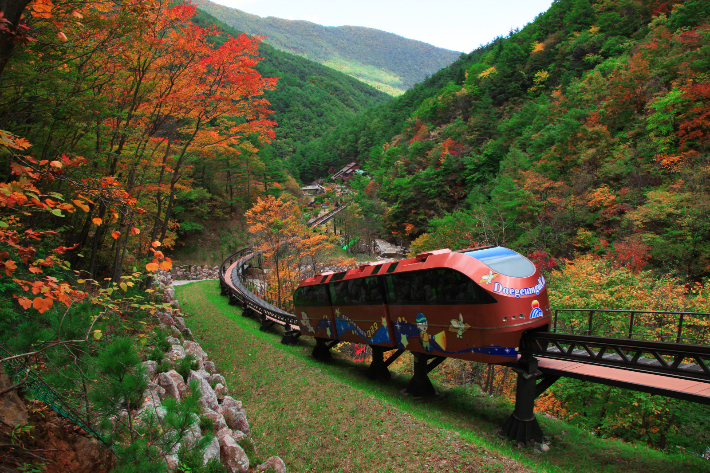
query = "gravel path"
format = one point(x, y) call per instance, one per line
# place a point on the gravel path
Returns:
point(182, 282)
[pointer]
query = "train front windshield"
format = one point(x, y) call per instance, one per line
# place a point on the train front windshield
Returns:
point(504, 261)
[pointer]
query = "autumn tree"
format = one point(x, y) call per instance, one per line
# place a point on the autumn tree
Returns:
point(292, 250)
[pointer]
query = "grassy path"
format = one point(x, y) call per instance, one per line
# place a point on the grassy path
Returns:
point(329, 418)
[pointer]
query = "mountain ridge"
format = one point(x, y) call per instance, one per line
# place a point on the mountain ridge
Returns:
point(384, 60)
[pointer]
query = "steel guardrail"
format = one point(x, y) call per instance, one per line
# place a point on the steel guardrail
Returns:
point(670, 359)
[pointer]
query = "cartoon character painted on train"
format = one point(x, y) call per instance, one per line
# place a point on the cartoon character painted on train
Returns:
point(422, 325)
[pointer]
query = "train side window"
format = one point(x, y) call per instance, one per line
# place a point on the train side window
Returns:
point(435, 286)
point(365, 291)
point(389, 287)
point(339, 293)
point(313, 296)
point(372, 291)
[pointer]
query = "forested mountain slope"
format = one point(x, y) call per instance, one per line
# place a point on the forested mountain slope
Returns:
point(587, 131)
point(384, 60)
point(310, 98)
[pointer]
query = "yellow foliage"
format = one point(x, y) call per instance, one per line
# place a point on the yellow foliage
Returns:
point(488, 72)
point(537, 47)
point(291, 250)
point(594, 283)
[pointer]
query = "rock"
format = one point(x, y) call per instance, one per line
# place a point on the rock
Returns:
point(177, 353)
point(196, 350)
point(179, 381)
point(198, 375)
point(208, 398)
point(169, 387)
point(231, 402)
point(544, 448)
point(236, 420)
point(173, 384)
point(150, 368)
point(221, 391)
point(151, 398)
point(222, 432)
point(194, 434)
point(12, 409)
point(216, 417)
point(180, 323)
point(172, 461)
point(175, 304)
point(276, 463)
point(238, 435)
point(165, 318)
point(211, 451)
point(216, 379)
point(232, 455)
point(188, 334)
point(90, 454)
point(173, 341)
point(209, 366)
point(156, 389)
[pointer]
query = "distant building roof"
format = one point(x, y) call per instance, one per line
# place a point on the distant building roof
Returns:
point(347, 171)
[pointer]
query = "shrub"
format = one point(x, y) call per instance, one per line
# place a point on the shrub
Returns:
point(185, 365)
point(156, 354)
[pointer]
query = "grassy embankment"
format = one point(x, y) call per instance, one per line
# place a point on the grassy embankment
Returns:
point(327, 417)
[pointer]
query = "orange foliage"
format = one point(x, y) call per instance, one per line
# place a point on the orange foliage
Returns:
point(292, 251)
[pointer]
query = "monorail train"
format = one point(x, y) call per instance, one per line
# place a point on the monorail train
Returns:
point(471, 304)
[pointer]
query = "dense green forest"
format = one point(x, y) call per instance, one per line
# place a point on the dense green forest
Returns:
point(384, 60)
point(586, 131)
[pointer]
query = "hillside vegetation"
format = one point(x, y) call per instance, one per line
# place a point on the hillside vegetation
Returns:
point(384, 60)
point(584, 132)
point(310, 100)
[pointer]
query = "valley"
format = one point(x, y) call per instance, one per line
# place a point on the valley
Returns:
point(135, 137)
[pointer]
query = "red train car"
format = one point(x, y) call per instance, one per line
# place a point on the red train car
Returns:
point(471, 304)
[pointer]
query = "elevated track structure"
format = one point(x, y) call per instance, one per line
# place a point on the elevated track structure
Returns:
point(677, 365)
point(327, 217)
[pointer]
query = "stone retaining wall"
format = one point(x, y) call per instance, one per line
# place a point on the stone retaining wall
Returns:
point(227, 414)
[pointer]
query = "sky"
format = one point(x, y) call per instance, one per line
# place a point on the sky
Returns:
point(458, 25)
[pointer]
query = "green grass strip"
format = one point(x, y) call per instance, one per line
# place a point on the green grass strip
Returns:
point(329, 417)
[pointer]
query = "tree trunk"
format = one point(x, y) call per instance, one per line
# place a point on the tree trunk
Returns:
point(12, 11)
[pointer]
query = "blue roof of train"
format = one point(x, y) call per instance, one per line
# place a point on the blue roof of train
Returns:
point(504, 261)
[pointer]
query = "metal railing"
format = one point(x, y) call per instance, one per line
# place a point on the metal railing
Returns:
point(651, 325)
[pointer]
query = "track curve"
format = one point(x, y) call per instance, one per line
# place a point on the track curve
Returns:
point(230, 276)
